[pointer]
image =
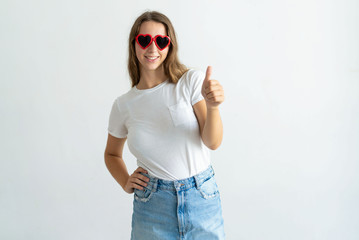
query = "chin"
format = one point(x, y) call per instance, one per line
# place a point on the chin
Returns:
point(153, 67)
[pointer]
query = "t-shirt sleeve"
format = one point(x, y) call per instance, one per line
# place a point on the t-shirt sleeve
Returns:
point(195, 86)
point(116, 123)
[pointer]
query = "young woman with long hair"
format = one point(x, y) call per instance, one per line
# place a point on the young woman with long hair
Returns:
point(171, 120)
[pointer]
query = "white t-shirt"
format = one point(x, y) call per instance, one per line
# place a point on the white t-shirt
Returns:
point(161, 127)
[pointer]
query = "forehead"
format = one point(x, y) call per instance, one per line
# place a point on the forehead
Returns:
point(153, 28)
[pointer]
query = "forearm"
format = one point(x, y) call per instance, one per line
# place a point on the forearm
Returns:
point(213, 129)
point(117, 168)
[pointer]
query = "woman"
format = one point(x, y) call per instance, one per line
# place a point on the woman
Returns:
point(171, 120)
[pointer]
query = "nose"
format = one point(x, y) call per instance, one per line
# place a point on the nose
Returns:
point(152, 46)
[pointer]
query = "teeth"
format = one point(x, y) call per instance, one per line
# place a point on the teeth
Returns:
point(151, 58)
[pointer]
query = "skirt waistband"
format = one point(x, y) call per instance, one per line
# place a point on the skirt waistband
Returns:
point(183, 184)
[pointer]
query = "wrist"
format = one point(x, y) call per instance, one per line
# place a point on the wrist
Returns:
point(212, 108)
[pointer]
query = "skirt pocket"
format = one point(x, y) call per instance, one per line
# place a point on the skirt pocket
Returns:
point(209, 188)
point(145, 194)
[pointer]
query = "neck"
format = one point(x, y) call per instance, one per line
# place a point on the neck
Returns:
point(151, 78)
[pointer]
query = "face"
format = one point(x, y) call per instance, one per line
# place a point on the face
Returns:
point(146, 64)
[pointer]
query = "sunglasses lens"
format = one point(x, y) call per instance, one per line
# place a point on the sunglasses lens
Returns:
point(144, 41)
point(162, 42)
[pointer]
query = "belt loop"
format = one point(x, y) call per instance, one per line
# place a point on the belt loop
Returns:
point(155, 184)
point(197, 181)
point(212, 169)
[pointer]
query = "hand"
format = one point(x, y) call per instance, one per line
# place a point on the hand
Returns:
point(136, 180)
point(212, 91)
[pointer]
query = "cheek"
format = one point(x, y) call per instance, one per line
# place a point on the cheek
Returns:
point(165, 53)
point(139, 52)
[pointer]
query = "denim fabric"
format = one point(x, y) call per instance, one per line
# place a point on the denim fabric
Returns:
point(184, 209)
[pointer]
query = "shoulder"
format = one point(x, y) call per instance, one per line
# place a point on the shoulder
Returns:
point(194, 72)
point(192, 76)
point(121, 101)
point(126, 96)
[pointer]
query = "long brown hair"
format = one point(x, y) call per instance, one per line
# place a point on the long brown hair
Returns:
point(172, 67)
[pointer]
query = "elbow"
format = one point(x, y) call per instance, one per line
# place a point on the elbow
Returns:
point(214, 147)
point(211, 145)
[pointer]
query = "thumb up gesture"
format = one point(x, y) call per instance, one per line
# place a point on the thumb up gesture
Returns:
point(212, 91)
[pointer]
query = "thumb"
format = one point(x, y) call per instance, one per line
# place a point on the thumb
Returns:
point(208, 73)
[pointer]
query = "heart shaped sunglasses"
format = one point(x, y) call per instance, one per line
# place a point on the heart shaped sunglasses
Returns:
point(145, 40)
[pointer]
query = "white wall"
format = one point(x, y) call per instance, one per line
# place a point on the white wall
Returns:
point(287, 167)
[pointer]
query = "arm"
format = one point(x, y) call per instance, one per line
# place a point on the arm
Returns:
point(207, 111)
point(210, 124)
point(118, 169)
point(114, 161)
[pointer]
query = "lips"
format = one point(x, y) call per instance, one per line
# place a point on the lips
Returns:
point(151, 57)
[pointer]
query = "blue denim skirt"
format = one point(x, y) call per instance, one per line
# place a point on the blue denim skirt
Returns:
point(184, 209)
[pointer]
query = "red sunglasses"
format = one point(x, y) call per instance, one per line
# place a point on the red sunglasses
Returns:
point(145, 40)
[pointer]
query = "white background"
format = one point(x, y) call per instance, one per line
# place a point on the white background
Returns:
point(288, 164)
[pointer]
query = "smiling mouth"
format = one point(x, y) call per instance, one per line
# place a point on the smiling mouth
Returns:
point(152, 59)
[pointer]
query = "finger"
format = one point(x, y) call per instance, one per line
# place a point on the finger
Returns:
point(140, 176)
point(212, 94)
point(213, 82)
point(212, 88)
point(139, 182)
point(216, 98)
point(212, 85)
point(215, 93)
point(139, 169)
point(134, 185)
point(208, 73)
